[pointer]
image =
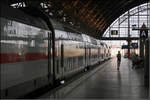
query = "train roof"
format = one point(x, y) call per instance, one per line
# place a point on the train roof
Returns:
point(20, 16)
point(98, 42)
point(65, 32)
point(93, 41)
point(106, 45)
point(61, 31)
point(102, 43)
point(59, 35)
point(86, 38)
point(59, 26)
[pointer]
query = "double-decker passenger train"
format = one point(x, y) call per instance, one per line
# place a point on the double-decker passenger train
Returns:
point(31, 58)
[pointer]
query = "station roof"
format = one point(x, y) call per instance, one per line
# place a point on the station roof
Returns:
point(91, 17)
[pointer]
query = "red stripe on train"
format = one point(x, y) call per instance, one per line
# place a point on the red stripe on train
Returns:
point(15, 57)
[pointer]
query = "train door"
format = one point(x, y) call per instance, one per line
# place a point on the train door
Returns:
point(98, 53)
point(90, 55)
point(85, 56)
point(62, 58)
point(101, 53)
point(50, 60)
point(58, 59)
point(102, 49)
point(104, 53)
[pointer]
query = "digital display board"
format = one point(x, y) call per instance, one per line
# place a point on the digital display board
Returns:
point(114, 32)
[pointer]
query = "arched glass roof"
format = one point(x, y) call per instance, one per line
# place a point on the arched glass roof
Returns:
point(135, 16)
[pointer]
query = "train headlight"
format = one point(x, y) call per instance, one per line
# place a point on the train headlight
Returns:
point(62, 82)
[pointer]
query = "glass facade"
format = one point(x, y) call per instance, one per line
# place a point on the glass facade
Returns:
point(134, 17)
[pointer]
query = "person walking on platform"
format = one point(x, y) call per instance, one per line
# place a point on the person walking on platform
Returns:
point(118, 60)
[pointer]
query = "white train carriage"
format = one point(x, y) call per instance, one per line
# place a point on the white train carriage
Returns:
point(31, 58)
point(70, 52)
point(23, 53)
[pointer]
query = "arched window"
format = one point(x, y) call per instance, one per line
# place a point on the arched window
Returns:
point(134, 17)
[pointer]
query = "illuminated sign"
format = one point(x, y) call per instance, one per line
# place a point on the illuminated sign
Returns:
point(114, 32)
point(143, 31)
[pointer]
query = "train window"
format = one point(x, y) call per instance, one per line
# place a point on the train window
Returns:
point(10, 23)
point(78, 61)
point(71, 64)
point(74, 62)
point(51, 67)
point(64, 65)
point(68, 64)
point(57, 66)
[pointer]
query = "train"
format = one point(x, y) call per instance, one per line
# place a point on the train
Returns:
point(32, 55)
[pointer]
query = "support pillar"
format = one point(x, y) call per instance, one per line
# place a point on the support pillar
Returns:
point(129, 48)
point(146, 64)
point(129, 35)
point(142, 48)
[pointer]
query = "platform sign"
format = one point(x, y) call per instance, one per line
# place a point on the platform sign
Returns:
point(125, 46)
point(114, 32)
point(143, 32)
point(134, 45)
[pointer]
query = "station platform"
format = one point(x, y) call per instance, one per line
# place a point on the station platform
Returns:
point(105, 81)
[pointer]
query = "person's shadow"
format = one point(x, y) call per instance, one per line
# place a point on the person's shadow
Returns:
point(119, 78)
